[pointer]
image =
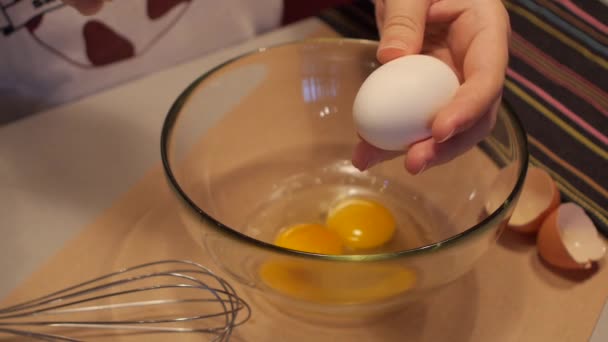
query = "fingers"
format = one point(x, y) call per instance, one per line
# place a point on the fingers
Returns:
point(86, 7)
point(444, 11)
point(402, 28)
point(480, 41)
point(484, 78)
point(469, 105)
point(379, 13)
point(366, 155)
point(429, 153)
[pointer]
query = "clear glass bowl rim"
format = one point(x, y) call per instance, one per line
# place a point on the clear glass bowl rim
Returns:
point(173, 113)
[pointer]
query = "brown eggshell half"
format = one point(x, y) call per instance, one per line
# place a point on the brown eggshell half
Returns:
point(553, 245)
point(538, 198)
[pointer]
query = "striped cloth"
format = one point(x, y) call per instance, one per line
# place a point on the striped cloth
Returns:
point(557, 83)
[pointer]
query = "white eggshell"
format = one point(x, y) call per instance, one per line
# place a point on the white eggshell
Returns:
point(579, 235)
point(396, 103)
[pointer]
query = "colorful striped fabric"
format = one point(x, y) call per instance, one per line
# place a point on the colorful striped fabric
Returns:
point(557, 83)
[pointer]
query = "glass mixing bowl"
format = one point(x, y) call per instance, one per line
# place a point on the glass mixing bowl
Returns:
point(264, 141)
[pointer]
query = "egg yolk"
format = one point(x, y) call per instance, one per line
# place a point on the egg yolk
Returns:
point(362, 223)
point(311, 238)
point(337, 284)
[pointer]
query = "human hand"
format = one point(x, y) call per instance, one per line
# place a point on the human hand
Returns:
point(471, 36)
point(86, 7)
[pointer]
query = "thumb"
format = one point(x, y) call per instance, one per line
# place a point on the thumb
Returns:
point(402, 30)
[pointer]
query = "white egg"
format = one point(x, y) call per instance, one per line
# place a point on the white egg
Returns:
point(396, 103)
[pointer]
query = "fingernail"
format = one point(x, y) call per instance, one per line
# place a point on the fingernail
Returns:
point(447, 137)
point(421, 169)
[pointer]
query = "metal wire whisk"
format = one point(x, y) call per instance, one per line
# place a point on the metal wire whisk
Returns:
point(167, 296)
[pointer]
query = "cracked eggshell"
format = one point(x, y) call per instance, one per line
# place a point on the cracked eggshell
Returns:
point(568, 239)
point(539, 197)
